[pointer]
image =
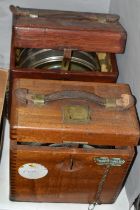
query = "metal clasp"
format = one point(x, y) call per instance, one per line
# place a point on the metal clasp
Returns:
point(37, 99)
point(101, 19)
point(34, 15)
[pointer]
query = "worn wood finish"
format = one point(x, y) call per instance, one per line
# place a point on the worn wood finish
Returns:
point(94, 76)
point(65, 29)
point(46, 123)
point(3, 84)
point(66, 183)
point(73, 175)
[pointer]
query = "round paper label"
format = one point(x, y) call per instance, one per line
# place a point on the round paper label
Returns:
point(33, 171)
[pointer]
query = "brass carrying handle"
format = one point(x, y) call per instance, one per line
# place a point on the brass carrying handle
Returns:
point(25, 96)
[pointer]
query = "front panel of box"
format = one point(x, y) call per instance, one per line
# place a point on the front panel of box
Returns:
point(62, 173)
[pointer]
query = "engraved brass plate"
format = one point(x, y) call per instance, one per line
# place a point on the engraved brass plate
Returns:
point(109, 161)
point(76, 113)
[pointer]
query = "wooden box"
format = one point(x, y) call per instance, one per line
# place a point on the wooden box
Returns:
point(65, 45)
point(70, 141)
point(3, 84)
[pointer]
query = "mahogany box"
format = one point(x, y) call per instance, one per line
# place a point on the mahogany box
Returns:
point(70, 141)
point(65, 45)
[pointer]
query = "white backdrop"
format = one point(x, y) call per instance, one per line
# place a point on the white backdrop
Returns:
point(129, 66)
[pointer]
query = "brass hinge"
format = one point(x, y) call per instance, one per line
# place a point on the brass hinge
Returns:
point(109, 161)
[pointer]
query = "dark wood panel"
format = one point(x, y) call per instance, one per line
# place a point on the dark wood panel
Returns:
point(64, 29)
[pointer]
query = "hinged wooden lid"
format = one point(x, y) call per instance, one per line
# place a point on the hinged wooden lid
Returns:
point(37, 28)
point(56, 112)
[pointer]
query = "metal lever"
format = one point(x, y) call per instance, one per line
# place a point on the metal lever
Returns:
point(66, 59)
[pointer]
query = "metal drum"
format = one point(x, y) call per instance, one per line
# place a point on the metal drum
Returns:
point(67, 145)
point(54, 59)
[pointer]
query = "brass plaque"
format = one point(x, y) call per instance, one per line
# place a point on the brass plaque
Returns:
point(109, 161)
point(76, 113)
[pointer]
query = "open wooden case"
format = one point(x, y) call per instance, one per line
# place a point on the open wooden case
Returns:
point(3, 85)
point(70, 141)
point(65, 45)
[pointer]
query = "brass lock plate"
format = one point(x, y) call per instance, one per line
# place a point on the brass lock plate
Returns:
point(76, 113)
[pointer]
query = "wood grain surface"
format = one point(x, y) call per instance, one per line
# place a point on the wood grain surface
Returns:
point(46, 123)
point(65, 183)
point(73, 175)
point(3, 84)
point(74, 30)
